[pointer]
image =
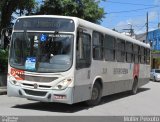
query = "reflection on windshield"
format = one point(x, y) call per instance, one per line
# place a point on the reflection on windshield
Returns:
point(41, 52)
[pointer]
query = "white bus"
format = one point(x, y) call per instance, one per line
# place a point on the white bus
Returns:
point(69, 60)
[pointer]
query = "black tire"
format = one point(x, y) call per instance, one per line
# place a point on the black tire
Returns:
point(154, 79)
point(2, 41)
point(96, 95)
point(134, 86)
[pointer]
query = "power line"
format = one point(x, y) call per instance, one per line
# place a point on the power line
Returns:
point(144, 34)
point(154, 26)
point(141, 36)
point(138, 26)
point(140, 15)
point(130, 3)
point(141, 28)
point(134, 10)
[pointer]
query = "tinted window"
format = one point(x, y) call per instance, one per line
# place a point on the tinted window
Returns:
point(109, 48)
point(83, 51)
point(148, 56)
point(157, 71)
point(120, 51)
point(142, 55)
point(129, 51)
point(97, 46)
point(136, 51)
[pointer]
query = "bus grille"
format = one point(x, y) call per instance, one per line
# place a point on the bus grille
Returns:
point(35, 93)
point(40, 79)
point(32, 85)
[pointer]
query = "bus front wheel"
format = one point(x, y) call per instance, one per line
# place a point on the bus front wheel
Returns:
point(96, 95)
point(135, 86)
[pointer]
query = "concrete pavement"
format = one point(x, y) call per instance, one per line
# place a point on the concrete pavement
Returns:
point(144, 103)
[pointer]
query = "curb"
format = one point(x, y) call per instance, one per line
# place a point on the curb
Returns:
point(3, 90)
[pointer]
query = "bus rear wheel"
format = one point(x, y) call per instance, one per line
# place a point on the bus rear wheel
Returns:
point(96, 95)
point(135, 86)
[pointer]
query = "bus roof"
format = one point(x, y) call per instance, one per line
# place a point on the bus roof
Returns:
point(99, 28)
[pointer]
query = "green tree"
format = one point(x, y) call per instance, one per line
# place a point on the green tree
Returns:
point(8, 7)
point(85, 9)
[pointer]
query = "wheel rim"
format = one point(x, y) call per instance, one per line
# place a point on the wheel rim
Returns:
point(135, 87)
point(95, 94)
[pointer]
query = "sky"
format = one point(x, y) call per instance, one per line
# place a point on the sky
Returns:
point(122, 14)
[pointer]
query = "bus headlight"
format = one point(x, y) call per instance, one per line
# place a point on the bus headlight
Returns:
point(13, 81)
point(63, 84)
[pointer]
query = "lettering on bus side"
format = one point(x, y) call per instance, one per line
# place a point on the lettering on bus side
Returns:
point(104, 71)
point(120, 71)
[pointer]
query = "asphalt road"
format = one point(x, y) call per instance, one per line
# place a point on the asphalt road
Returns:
point(146, 102)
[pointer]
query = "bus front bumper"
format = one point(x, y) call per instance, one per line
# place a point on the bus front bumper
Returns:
point(60, 96)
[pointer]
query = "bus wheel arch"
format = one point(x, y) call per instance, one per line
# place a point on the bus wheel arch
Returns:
point(135, 85)
point(96, 93)
point(99, 81)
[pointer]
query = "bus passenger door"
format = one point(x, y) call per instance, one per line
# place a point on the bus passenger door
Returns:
point(83, 62)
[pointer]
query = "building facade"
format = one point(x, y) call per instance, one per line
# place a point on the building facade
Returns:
point(154, 39)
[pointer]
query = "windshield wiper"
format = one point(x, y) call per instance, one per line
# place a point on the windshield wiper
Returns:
point(56, 32)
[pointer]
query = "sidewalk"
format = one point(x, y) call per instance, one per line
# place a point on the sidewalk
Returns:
point(3, 90)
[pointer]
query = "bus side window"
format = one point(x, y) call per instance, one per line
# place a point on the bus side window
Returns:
point(136, 51)
point(142, 54)
point(147, 56)
point(83, 51)
point(109, 48)
point(120, 50)
point(129, 51)
point(97, 46)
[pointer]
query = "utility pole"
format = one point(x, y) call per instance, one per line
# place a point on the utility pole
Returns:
point(131, 30)
point(158, 21)
point(147, 28)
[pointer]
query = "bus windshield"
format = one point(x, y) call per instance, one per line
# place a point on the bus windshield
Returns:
point(41, 52)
